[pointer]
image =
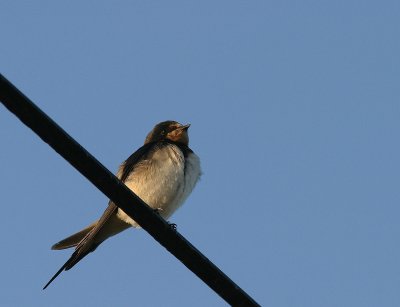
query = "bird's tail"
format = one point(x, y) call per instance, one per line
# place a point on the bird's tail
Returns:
point(74, 239)
point(84, 246)
point(88, 239)
point(77, 256)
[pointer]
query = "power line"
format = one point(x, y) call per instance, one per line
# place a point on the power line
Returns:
point(17, 103)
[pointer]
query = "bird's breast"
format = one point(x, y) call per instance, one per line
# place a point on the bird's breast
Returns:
point(164, 180)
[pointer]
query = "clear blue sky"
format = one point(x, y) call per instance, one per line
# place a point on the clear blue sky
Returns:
point(294, 107)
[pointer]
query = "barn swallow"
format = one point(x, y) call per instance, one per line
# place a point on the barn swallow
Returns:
point(163, 172)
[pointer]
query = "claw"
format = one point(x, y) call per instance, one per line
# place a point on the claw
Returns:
point(173, 226)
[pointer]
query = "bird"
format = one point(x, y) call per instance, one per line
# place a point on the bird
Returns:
point(163, 172)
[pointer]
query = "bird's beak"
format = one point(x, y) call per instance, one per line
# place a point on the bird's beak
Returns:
point(184, 127)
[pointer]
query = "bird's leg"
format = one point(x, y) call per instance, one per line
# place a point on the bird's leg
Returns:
point(172, 225)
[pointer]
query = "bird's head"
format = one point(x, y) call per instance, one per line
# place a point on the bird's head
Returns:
point(169, 130)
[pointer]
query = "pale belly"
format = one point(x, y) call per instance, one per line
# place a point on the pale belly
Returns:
point(162, 183)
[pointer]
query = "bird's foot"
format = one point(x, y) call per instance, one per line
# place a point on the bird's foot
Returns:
point(173, 226)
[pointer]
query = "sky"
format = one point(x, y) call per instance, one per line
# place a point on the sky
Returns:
point(294, 107)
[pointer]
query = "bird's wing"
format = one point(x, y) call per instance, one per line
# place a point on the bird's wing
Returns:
point(139, 155)
point(107, 225)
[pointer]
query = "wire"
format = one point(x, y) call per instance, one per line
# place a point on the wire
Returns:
point(51, 133)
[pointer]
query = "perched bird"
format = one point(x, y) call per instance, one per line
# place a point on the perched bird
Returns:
point(163, 172)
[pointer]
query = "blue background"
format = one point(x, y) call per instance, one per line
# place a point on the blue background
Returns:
point(294, 107)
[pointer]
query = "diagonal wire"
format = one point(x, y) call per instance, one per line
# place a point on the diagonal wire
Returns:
point(22, 107)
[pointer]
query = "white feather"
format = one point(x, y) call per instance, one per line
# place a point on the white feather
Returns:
point(163, 182)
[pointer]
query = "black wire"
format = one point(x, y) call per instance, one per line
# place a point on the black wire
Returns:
point(106, 182)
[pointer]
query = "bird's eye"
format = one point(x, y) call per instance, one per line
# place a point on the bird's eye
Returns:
point(163, 132)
